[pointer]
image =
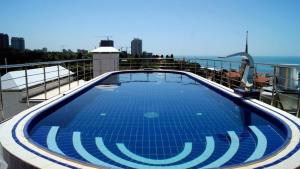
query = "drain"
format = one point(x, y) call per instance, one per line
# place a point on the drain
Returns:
point(151, 115)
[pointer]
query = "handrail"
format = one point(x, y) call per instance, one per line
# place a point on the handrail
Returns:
point(122, 59)
point(213, 69)
point(42, 63)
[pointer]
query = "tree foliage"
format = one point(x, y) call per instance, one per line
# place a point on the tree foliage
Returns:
point(14, 56)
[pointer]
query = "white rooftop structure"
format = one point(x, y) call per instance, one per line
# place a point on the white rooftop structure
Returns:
point(15, 80)
point(105, 50)
point(105, 59)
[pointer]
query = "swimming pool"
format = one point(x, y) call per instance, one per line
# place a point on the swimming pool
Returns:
point(156, 119)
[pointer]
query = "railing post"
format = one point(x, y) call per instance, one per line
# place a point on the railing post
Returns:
point(221, 76)
point(58, 78)
point(130, 64)
point(45, 85)
point(91, 70)
point(77, 73)
point(273, 86)
point(147, 63)
point(27, 88)
point(195, 67)
point(298, 111)
point(184, 64)
point(206, 72)
point(181, 64)
point(214, 75)
point(254, 76)
point(228, 79)
point(1, 97)
point(69, 78)
point(83, 70)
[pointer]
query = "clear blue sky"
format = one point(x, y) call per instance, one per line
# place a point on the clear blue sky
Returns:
point(181, 27)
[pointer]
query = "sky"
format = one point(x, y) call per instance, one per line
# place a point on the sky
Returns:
point(179, 27)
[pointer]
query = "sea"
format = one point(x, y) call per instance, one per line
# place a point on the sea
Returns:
point(263, 64)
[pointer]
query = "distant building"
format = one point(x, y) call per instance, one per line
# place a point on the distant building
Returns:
point(4, 41)
point(82, 51)
point(147, 54)
point(67, 51)
point(45, 50)
point(106, 43)
point(18, 43)
point(136, 47)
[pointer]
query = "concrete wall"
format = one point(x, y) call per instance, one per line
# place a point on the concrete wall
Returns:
point(105, 62)
point(15, 163)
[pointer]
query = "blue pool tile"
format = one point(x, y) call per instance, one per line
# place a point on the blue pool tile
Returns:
point(181, 110)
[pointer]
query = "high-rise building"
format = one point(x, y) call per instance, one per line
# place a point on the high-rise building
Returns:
point(18, 43)
point(106, 43)
point(136, 47)
point(45, 50)
point(4, 42)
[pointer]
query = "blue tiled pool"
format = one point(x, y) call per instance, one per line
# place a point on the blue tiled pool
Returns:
point(157, 120)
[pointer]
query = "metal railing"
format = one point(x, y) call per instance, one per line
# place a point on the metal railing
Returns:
point(228, 73)
point(28, 84)
point(35, 85)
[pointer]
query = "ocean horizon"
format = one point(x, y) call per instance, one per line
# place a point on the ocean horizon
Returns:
point(260, 61)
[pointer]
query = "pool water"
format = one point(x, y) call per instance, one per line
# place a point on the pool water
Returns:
point(157, 120)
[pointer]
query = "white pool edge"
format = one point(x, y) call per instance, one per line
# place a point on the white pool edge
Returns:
point(10, 145)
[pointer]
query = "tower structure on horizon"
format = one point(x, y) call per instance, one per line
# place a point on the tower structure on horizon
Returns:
point(246, 50)
point(136, 47)
point(106, 43)
point(4, 41)
point(18, 43)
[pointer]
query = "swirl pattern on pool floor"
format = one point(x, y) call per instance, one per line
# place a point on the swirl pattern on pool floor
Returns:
point(149, 163)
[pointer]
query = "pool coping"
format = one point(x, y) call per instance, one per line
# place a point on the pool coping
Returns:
point(39, 157)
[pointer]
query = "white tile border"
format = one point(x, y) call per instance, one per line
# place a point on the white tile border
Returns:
point(17, 150)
